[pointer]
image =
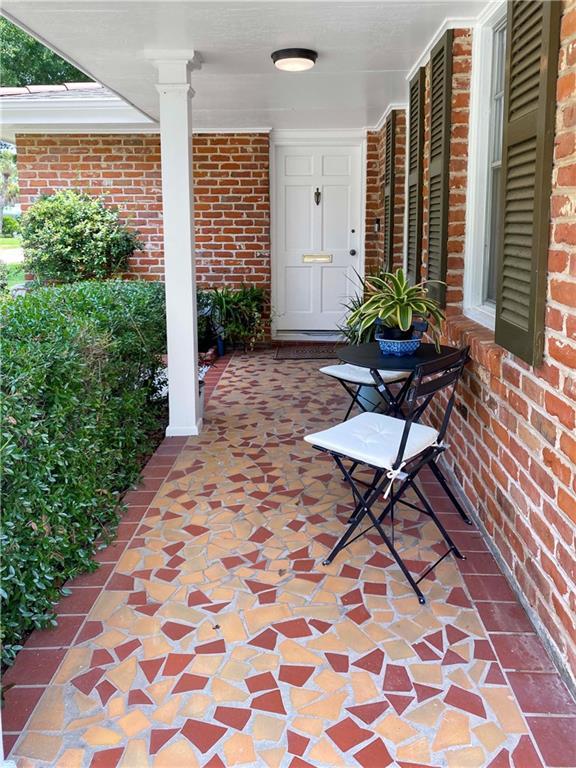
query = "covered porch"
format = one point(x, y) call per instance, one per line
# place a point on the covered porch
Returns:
point(212, 635)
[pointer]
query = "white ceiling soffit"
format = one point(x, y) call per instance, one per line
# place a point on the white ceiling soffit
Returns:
point(365, 48)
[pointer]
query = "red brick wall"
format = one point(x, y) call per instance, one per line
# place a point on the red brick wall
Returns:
point(231, 195)
point(375, 158)
point(513, 440)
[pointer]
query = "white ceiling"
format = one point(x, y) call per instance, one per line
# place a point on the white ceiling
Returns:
point(365, 50)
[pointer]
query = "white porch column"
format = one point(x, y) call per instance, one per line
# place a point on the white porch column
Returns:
point(178, 204)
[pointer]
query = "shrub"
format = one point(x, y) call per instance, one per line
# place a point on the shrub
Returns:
point(10, 226)
point(80, 410)
point(71, 236)
point(4, 275)
point(237, 314)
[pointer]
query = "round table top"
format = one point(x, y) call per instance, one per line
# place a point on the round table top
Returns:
point(370, 356)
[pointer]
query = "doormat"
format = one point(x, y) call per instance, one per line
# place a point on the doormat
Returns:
point(308, 352)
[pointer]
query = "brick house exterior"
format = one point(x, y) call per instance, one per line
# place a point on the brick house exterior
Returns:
point(513, 440)
point(232, 204)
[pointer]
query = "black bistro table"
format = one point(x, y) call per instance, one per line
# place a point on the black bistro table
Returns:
point(370, 356)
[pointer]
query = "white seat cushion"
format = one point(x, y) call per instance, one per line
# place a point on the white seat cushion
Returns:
point(374, 439)
point(357, 375)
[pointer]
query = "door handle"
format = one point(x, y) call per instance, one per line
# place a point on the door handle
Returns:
point(353, 252)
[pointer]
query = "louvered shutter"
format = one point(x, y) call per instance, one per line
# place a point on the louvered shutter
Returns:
point(532, 41)
point(415, 157)
point(440, 117)
point(389, 152)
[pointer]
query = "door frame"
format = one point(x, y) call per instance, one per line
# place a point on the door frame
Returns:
point(321, 138)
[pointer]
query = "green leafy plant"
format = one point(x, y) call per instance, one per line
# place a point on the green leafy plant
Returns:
point(81, 408)
point(70, 236)
point(392, 302)
point(237, 314)
point(10, 226)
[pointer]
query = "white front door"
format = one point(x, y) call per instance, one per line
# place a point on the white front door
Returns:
point(317, 242)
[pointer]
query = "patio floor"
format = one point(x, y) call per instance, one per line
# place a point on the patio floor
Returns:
point(212, 635)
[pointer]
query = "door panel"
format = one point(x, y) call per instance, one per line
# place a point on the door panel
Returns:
point(313, 267)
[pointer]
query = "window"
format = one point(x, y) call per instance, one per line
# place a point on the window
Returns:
point(494, 201)
point(484, 215)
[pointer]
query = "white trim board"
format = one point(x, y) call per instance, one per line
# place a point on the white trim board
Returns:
point(390, 108)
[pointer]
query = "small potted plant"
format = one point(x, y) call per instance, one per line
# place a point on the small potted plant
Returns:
point(397, 312)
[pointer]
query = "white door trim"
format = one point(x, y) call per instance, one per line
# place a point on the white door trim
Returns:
point(294, 137)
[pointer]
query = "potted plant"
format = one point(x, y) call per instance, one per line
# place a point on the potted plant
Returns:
point(396, 313)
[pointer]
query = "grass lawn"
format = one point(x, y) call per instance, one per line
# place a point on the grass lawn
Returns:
point(10, 242)
point(15, 274)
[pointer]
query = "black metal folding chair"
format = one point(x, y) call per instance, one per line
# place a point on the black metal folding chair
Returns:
point(354, 379)
point(395, 450)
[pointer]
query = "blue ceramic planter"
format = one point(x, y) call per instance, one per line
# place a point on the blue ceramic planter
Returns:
point(398, 347)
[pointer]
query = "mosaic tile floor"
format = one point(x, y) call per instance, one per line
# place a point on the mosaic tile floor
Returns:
point(212, 636)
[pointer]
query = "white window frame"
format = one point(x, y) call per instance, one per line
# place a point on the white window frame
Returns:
point(479, 168)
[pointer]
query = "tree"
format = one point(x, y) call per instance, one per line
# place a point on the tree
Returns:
point(8, 181)
point(25, 61)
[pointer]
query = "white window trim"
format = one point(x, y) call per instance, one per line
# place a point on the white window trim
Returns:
point(479, 139)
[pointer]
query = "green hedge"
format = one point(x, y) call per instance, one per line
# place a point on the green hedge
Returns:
point(80, 410)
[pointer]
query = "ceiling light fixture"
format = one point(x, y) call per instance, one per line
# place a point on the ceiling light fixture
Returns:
point(294, 59)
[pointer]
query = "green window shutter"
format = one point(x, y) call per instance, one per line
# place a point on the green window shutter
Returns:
point(440, 120)
point(532, 42)
point(389, 153)
point(415, 157)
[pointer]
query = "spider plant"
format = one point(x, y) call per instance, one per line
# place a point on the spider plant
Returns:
point(391, 302)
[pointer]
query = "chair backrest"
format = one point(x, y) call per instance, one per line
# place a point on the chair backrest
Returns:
point(429, 379)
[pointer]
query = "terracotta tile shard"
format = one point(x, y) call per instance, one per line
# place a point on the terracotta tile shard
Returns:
point(352, 598)
point(261, 535)
point(138, 697)
point(87, 680)
point(101, 657)
point(293, 628)
point(454, 635)
point(149, 609)
point(400, 703)
point(176, 663)
point(159, 737)
point(374, 754)
point(372, 662)
point(189, 682)
point(266, 639)
point(151, 668)
point(269, 702)
point(495, 676)
point(424, 692)
point(374, 588)
point(450, 657)
point(321, 626)
point(234, 717)
point(215, 607)
point(338, 661)
point(326, 539)
point(358, 615)
point(125, 649)
point(298, 762)
point(378, 560)
point(525, 756)
point(465, 700)
point(176, 631)
point(89, 630)
point(195, 530)
point(256, 586)
point(436, 639)
point(215, 762)
point(294, 674)
point(107, 758)
point(263, 682)
point(198, 598)
point(502, 760)
point(202, 735)
point(297, 744)
point(299, 554)
point(458, 597)
point(483, 651)
point(105, 690)
point(396, 679)
point(369, 712)
point(425, 652)
point(232, 562)
point(216, 646)
point(173, 549)
point(347, 734)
